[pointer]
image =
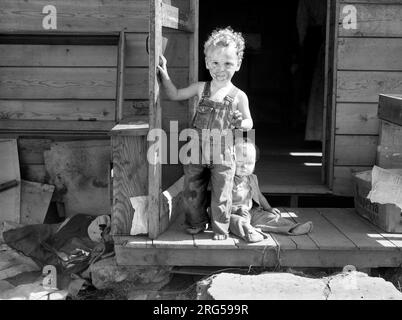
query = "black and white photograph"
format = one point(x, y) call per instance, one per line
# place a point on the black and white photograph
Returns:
point(198, 156)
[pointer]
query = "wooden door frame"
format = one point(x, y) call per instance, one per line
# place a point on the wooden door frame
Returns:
point(330, 78)
point(163, 14)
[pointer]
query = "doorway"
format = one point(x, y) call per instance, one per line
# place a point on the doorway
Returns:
point(283, 75)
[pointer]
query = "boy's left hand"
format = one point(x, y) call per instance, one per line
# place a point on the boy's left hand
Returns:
point(237, 118)
point(275, 211)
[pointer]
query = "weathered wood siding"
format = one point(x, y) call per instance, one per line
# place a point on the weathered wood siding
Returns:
point(58, 85)
point(87, 16)
point(77, 82)
point(368, 63)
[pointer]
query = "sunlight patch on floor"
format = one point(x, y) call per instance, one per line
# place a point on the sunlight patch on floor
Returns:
point(313, 164)
point(306, 154)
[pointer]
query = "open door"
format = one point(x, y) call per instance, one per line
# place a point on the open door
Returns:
point(176, 18)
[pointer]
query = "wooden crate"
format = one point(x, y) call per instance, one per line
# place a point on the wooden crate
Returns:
point(389, 151)
point(386, 216)
point(390, 108)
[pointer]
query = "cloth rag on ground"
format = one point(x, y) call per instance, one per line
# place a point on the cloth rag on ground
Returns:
point(68, 247)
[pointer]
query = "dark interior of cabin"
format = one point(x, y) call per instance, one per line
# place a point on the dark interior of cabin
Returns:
point(283, 75)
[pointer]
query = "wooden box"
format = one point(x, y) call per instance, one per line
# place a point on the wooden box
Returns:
point(386, 216)
point(389, 150)
point(390, 108)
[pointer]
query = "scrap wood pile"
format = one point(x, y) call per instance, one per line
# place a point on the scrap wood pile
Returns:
point(28, 245)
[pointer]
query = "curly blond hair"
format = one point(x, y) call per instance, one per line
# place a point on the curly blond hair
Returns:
point(224, 37)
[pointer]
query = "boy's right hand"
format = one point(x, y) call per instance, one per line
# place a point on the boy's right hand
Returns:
point(162, 68)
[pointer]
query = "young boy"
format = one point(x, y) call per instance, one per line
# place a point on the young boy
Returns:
point(251, 211)
point(222, 107)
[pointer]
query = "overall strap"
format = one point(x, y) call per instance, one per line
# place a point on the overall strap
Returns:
point(229, 98)
point(207, 90)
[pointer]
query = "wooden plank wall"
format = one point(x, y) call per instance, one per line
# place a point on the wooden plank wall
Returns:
point(89, 16)
point(369, 63)
point(53, 81)
point(75, 82)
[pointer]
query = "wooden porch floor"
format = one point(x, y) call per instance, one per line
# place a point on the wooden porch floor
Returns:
point(340, 237)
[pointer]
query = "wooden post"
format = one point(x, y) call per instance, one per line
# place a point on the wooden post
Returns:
point(155, 116)
point(129, 155)
point(193, 59)
point(120, 77)
point(330, 112)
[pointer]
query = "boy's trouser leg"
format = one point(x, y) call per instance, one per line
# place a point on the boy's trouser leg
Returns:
point(237, 224)
point(221, 197)
point(267, 222)
point(196, 179)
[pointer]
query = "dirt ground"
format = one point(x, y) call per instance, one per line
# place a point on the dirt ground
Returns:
point(183, 286)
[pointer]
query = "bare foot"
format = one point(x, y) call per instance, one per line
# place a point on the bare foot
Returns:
point(218, 236)
point(302, 228)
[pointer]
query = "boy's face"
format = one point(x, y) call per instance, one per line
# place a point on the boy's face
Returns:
point(245, 160)
point(222, 63)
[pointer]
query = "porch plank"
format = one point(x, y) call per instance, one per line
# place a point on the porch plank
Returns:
point(178, 239)
point(394, 238)
point(204, 240)
point(175, 237)
point(340, 237)
point(133, 241)
point(303, 242)
point(267, 242)
point(283, 242)
point(353, 228)
point(325, 234)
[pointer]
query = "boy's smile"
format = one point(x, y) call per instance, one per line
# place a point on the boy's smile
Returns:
point(222, 63)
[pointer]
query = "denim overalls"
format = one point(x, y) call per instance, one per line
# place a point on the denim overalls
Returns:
point(211, 115)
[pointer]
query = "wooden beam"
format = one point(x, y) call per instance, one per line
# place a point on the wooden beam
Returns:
point(57, 55)
point(58, 126)
point(193, 59)
point(79, 110)
point(155, 117)
point(120, 76)
point(255, 257)
point(130, 173)
point(330, 99)
point(89, 16)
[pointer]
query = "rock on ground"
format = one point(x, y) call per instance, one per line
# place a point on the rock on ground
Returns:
point(286, 286)
point(32, 291)
point(106, 274)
